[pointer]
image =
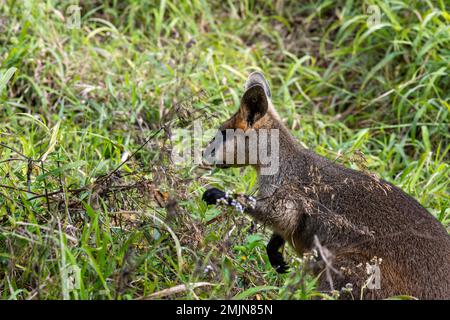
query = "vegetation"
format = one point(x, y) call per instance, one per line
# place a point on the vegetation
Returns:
point(91, 207)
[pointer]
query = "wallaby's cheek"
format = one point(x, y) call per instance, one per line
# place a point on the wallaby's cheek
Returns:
point(216, 154)
point(233, 152)
point(240, 123)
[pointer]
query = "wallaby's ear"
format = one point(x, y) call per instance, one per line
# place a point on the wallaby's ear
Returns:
point(258, 78)
point(254, 104)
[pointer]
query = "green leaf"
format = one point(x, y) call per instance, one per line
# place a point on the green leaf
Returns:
point(76, 164)
point(53, 140)
point(5, 77)
point(252, 291)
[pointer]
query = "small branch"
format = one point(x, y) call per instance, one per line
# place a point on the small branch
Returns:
point(15, 150)
point(13, 159)
point(104, 178)
point(45, 188)
point(17, 189)
point(177, 289)
point(326, 256)
point(29, 171)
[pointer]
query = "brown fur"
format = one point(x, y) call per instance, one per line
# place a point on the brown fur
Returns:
point(355, 216)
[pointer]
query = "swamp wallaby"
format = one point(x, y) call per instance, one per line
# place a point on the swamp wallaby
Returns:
point(352, 219)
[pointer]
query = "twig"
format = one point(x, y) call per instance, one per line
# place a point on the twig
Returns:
point(13, 159)
point(17, 189)
point(15, 150)
point(45, 188)
point(29, 171)
point(325, 255)
point(104, 178)
point(177, 289)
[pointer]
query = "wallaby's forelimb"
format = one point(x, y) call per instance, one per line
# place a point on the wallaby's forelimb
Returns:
point(275, 256)
point(214, 196)
point(242, 203)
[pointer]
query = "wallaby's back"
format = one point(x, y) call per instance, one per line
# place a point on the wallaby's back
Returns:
point(359, 218)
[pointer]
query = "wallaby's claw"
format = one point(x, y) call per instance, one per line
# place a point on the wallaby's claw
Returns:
point(211, 196)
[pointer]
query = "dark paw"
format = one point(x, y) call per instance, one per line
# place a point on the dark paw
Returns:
point(281, 268)
point(275, 256)
point(212, 195)
point(277, 262)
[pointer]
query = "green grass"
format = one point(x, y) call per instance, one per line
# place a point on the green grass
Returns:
point(75, 102)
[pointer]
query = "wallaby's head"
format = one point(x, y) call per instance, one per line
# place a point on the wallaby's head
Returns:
point(241, 138)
